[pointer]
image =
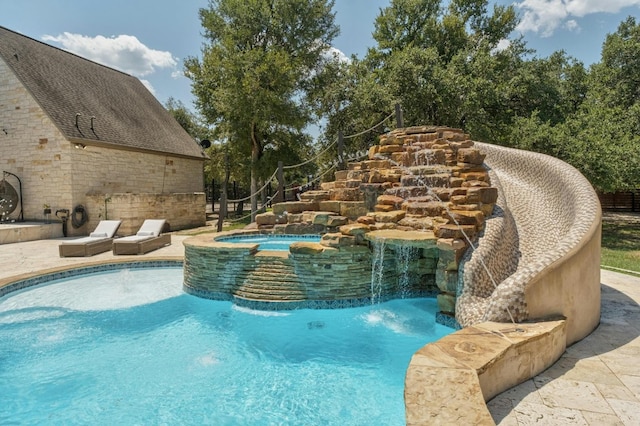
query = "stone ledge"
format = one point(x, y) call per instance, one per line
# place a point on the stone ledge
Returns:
point(449, 381)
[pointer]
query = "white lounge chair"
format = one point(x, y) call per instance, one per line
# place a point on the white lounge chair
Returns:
point(149, 237)
point(98, 241)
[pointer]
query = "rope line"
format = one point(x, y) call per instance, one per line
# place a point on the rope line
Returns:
point(370, 128)
point(258, 191)
point(313, 158)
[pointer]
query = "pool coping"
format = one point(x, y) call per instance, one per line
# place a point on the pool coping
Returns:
point(29, 279)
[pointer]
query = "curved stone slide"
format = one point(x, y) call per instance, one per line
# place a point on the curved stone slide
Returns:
point(537, 263)
point(540, 252)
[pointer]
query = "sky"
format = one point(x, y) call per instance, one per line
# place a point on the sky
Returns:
point(150, 39)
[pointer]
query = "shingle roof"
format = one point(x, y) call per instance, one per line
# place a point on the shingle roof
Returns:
point(64, 84)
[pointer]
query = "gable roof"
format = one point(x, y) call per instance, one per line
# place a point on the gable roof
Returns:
point(126, 114)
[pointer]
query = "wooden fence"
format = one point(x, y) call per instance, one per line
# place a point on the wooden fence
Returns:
point(628, 201)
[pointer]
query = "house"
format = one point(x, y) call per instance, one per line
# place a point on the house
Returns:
point(92, 140)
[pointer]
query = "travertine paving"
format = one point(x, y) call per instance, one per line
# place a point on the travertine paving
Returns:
point(596, 381)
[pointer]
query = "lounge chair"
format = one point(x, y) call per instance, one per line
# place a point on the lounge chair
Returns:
point(149, 237)
point(98, 241)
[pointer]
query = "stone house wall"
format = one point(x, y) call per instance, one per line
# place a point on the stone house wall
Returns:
point(181, 210)
point(55, 173)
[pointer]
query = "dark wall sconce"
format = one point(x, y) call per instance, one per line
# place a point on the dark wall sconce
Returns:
point(80, 146)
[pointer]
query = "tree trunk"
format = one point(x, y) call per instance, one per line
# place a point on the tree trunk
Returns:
point(255, 156)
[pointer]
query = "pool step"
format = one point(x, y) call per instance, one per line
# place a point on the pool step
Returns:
point(271, 280)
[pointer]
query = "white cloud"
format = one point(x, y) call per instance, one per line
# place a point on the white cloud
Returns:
point(336, 54)
point(123, 52)
point(545, 16)
point(502, 45)
point(572, 25)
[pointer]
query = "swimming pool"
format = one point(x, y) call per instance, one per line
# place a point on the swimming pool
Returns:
point(276, 242)
point(129, 347)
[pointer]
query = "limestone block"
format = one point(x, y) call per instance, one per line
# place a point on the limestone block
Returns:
point(401, 158)
point(446, 244)
point(294, 207)
point(329, 206)
point(429, 157)
point(453, 231)
point(337, 239)
point(452, 134)
point(373, 151)
point(266, 219)
point(321, 218)
point(340, 174)
point(390, 200)
point(393, 216)
point(376, 164)
point(303, 228)
point(476, 175)
point(334, 221)
point(463, 217)
point(417, 222)
point(427, 137)
point(485, 195)
point(352, 183)
point(354, 229)
point(294, 218)
point(463, 144)
point(449, 260)
point(470, 155)
point(384, 175)
point(431, 180)
point(441, 145)
point(366, 220)
point(314, 196)
point(346, 194)
point(487, 209)
point(420, 239)
point(446, 303)
point(475, 184)
point(325, 186)
point(383, 208)
point(353, 209)
point(305, 247)
point(429, 208)
point(467, 207)
point(456, 182)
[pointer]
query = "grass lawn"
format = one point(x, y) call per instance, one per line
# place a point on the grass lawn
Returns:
point(621, 243)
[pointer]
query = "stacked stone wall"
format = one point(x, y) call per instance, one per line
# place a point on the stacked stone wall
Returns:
point(181, 211)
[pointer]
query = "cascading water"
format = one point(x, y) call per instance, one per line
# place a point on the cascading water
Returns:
point(377, 271)
point(423, 182)
point(404, 255)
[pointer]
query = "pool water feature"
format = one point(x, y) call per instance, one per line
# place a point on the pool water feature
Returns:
point(129, 346)
point(274, 242)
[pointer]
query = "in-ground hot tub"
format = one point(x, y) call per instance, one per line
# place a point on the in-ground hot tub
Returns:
point(283, 271)
point(275, 242)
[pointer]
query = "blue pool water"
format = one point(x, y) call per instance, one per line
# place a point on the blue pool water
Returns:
point(278, 242)
point(129, 347)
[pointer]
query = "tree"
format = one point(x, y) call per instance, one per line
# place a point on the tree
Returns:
point(597, 126)
point(440, 63)
point(257, 69)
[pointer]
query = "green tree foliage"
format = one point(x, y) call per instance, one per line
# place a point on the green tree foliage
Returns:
point(261, 61)
point(597, 128)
